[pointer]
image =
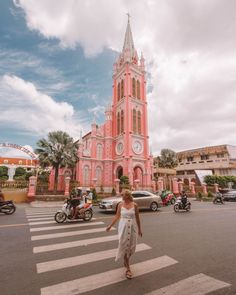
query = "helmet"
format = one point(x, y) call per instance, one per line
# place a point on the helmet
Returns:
point(87, 189)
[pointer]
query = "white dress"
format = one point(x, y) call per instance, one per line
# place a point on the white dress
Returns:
point(127, 232)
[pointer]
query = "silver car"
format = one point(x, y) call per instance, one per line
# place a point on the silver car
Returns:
point(144, 200)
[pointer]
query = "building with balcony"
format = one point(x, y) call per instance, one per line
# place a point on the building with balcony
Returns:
point(216, 160)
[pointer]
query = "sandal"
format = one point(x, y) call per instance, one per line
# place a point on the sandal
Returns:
point(128, 274)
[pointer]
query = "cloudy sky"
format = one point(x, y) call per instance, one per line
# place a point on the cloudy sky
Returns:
point(56, 62)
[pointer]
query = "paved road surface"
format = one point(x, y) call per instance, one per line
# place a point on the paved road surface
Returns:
point(185, 254)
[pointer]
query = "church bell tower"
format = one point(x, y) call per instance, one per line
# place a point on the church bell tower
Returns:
point(129, 109)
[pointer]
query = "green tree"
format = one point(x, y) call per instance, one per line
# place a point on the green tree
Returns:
point(124, 182)
point(167, 159)
point(58, 151)
point(3, 173)
point(20, 173)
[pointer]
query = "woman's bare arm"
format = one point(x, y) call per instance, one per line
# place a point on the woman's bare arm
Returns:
point(117, 217)
point(138, 220)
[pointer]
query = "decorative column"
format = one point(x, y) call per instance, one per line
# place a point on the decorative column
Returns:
point(117, 183)
point(67, 186)
point(32, 188)
point(193, 188)
point(154, 186)
point(11, 172)
point(204, 188)
point(136, 183)
point(180, 183)
point(160, 184)
point(216, 187)
point(175, 186)
point(94, 180)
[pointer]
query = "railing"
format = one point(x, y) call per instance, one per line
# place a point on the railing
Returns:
point(42, 189)
point(14, 184)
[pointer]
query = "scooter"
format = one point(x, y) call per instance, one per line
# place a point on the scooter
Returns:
point(67, 212)
point(167, 198)
point(218, 199)
point(7, 207)
point(180, 206)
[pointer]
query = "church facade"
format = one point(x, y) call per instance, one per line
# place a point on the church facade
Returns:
point(120, 146)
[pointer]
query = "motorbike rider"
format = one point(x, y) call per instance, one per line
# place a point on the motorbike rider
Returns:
point(184, 198)
point(76, 201)
point(218, 196)
point(88, 197)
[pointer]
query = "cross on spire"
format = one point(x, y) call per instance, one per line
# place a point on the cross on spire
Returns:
point(129, 16)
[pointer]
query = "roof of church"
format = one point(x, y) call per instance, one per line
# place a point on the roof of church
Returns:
point(129, 42)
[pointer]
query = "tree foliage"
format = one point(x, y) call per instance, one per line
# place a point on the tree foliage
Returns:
point(221, 180)
point(58, 151)
point(3, 173)
point(167, 159)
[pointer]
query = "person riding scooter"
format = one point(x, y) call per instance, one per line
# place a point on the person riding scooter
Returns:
point(184, 198)
point(218, 198)
point(76, 201)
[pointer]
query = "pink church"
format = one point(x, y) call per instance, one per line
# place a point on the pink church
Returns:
point(120, 146)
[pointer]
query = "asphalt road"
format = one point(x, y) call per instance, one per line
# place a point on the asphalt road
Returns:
point(180, 252)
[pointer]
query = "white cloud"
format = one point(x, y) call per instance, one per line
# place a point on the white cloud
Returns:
point(33, 111)
point(190, 49)
point(15, 153)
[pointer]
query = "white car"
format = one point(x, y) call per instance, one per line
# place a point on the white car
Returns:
point(144, 200)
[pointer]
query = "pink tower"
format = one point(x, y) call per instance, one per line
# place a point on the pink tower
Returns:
point(120, 146)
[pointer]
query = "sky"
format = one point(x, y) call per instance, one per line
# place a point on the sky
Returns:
point(56, 61)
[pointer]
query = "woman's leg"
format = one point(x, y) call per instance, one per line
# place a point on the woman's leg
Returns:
point(127, 265)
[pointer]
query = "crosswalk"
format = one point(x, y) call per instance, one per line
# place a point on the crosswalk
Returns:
point(53, 243)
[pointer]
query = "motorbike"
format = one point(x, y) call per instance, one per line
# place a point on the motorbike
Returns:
point(218, 199)
point(66, 213)
point(167, 198)
point(180, 206)
point(7, 207)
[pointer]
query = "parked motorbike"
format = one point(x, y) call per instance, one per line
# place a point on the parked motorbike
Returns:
point(179, 205)
point(218, 199)
point(167, 198)
point(7, 207)
point(67, 212)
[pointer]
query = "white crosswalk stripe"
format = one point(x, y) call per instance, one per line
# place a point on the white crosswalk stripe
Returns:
point(69, 234)
point(65, 226)
point(41, 215)
point(199, 284)
point(59, 246)
point(96, 281)
point(82, 259)
point(38, 219)
point(196, 285)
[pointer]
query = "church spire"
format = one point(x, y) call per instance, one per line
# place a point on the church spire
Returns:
point(129, 52)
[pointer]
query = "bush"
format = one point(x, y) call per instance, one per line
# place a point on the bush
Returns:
point(95, 195)
point(200, 195)
point(210, 195)
point(221, 180)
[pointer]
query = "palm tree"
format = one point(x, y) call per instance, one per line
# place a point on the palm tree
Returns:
point(58, 151)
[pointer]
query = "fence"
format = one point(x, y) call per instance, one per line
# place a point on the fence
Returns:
point(19, 184)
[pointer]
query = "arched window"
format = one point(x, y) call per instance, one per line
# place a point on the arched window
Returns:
point(99, 175)
point(133, 87)
point(86, 175)
point(122, 88)
point(139, 122)
point(118, 124)
point(134, 121)
point(138, 89)
point(122, 122)
point(99, 151)
point(118, 91)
